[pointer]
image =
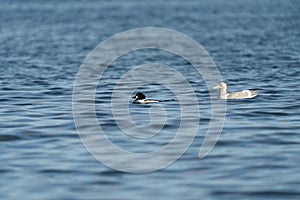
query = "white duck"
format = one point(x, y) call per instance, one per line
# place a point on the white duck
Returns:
point(245, 94)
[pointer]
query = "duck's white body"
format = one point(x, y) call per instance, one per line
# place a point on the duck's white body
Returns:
point(145, 101)
point(245, 94)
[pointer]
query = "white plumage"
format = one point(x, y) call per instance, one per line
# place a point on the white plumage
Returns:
point(245, 94)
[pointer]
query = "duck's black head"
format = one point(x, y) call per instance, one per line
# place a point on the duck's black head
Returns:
point(139, 96)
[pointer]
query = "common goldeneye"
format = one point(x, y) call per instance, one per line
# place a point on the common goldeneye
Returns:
point(141, 98)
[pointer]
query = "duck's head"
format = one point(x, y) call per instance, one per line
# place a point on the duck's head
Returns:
point(220, 85)
point(139, 96)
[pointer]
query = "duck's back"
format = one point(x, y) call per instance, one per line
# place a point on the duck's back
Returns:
point(245, 94)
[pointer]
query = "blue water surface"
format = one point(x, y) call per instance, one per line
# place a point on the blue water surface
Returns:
point(255, 45)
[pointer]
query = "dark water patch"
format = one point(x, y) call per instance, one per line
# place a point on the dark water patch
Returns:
point(276, 141)
point(104, 182)
point(6, 171)
point(57, 171)
point(5, 138)
point(7, 89)
point(111, 172)
point(265, 194)
point(227, 142)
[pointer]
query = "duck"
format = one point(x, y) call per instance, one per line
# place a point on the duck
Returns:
point(245, 94)
point(141, 98)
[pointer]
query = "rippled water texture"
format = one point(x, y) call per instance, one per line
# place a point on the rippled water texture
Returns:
point(255, 45)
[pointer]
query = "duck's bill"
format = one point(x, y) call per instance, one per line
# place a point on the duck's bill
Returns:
point(215, 87)
point(134, 99)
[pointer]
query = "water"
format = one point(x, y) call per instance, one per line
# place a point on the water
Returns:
point(255, 45)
